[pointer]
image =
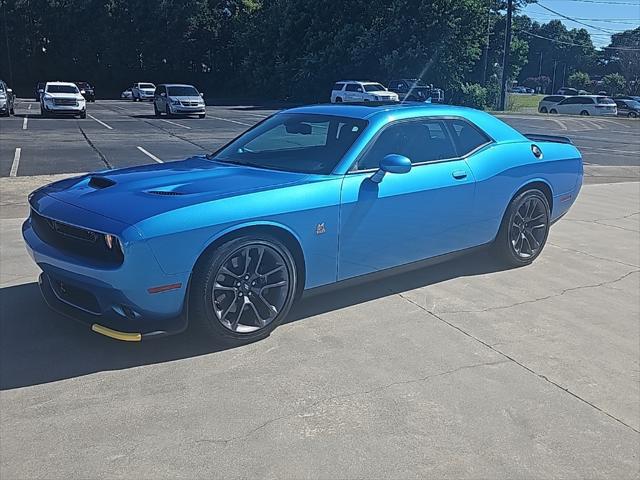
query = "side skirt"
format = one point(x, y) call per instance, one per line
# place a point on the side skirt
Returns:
point(388, 272)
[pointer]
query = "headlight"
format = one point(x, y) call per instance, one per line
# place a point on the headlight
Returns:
point(82, 92)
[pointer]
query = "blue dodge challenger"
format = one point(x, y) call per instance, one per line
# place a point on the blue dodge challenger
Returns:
point(310, 197)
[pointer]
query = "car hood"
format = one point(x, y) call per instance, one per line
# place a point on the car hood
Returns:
point(63, 95)
point(382, 93)
point(190, 98)
point(133, 194)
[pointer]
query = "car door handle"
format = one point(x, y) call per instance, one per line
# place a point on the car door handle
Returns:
point(459, 174)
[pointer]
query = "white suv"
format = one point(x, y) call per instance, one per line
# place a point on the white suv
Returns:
point(352, 91)
point(142, 91)
point(62, 98)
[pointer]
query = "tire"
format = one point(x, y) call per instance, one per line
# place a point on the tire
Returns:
point(632, 115)
point(211, 310)
point(527, 220)
point(167, 111)
point(338, 100)
point(543, 109)
point(202, 115)
point(83, 114)
point(553, 111)
point(584, 113)
point(156, 111)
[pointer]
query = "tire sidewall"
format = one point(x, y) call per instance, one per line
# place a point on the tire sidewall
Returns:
point(204, 276)
point(503, 243)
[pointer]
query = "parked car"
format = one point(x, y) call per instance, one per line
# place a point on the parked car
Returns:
point(126, 94)
point(7, 100)
point(411, 89)
point(176, 99)
point(628, 108)
point(567, 91)
point(142, 91)
point(519, 89)
point(549, 101)
point(309, 197)
point(87, 91)
point(356, 91)
point(585, 105)
point(628, 97)
point(62, 98)
point(39, 90)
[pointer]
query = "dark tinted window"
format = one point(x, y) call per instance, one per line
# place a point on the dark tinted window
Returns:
point(338, 86)
point(419, 140)
point(295, 142)
point(182, 92)
point(466, 136)
point(553, 98)
point(605, 101)
point(586, 101)
point(62, 89)
point(160, 89)
point(571, 101)
point(353, 87)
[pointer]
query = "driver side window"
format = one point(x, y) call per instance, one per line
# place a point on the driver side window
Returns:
point(419, 140)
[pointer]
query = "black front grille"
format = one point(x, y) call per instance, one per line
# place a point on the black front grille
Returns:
point(75, 240)
point(65, 101)
point(78, 297)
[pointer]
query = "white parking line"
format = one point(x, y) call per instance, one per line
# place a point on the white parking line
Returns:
point(24, 123)
point(16, 163)
point(229, 120)
point(174, 123)
point(100, 122)
point(150, 155)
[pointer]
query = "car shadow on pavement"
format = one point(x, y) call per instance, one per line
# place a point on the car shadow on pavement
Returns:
point(39, 346)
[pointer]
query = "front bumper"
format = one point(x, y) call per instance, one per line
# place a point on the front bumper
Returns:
point(64, 109)
point(182, 110)
point(100, 296)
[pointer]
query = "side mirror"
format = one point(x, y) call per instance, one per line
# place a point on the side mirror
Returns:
point(163, 94)
point(202, 94)
point(9, 90)
point(391, 163)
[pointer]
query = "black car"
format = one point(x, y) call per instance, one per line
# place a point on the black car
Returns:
point(413, 90)
point(87, 91)
point(39, 91)
point(628, 108)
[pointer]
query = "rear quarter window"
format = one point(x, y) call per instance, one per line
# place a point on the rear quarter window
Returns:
point(605, 101)
point(466, 136)
point(338, 86)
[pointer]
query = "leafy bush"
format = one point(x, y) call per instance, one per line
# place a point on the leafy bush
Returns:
point(471, 95)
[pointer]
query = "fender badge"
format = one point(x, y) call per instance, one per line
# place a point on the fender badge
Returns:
point(320, 229)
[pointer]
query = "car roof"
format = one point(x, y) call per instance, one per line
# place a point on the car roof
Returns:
point(385, 112)
point(175, 85)
point(356, 81)
point(66, 84)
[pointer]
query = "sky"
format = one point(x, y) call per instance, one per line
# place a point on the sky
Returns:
point(612, 16)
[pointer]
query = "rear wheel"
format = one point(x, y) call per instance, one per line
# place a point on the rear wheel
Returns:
point(524, 229)
point(338, 100)
point(584, 113)
point(243, 289)
point(553, 111)
point(632, 115)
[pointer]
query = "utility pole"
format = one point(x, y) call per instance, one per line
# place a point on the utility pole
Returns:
point(540, 65)
point(486, 45)
point(6, 37)
point(505, 60)
point(553, 83)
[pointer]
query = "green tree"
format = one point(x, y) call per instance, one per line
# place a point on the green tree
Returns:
point(579, 80)
point(614, 83)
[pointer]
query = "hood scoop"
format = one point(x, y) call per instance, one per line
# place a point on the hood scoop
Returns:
point(101, 182)
point(168, 193)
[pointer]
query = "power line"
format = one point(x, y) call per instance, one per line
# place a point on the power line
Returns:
point(607, 2)
point(626, 49)
point(573, 19)
point(621, 21)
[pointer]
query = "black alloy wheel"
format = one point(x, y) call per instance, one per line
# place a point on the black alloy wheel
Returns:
point(243, 289)
point(524, 230)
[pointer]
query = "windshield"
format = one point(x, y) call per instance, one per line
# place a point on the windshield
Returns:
point(182, 92)
point(62, 89)
point(147, 85)
point(295, 142)
point(373, 87)
point(83, 85)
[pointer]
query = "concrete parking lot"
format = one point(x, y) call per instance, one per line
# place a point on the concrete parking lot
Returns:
point(463, 370)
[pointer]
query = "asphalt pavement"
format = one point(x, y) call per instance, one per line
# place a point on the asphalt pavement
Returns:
point(124, 133)
point(462, 370)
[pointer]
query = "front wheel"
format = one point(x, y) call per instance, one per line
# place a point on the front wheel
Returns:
point(202, 115)
point(338, 100)
point(524, 229)
point(553, 111)
point(243, 289)
point(543, 109)
point(632, 115)
point(584, 113)
point(83, 115)
point(155, 110)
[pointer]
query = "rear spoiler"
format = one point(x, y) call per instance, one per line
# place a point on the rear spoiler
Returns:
point(536, 137)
